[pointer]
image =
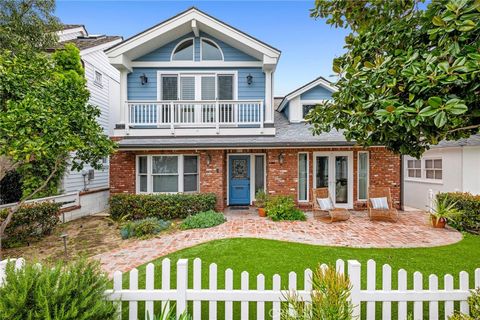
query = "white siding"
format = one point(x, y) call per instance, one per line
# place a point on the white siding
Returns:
point(471, 169)
point(105, 96)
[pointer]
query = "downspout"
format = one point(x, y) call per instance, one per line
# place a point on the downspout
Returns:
point(402, 184)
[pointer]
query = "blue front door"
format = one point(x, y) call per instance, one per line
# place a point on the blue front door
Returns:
point(239, 180)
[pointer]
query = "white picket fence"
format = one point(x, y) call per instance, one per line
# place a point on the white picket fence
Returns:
point(182, 294)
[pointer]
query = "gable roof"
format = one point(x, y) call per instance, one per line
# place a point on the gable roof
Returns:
point(84, 43)
point(185, 22)
point(320, 81)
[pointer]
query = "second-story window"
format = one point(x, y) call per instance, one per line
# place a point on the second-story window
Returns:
point(169, 87)
point(225, 87)
point(184, 51)
point(210, 50)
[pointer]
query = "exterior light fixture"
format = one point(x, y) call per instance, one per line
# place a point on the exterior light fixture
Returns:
point(209, 159)
point(249, 79)
point(281, 158)
point(143, 79)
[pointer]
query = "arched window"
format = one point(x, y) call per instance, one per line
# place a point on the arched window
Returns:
point(183, 50)
point(210, 50)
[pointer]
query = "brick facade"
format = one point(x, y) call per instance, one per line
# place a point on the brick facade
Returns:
point(281, 178)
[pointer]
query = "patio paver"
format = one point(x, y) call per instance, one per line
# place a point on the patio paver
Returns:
point(412, 230)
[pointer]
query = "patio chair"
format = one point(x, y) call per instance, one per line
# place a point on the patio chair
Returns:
point(378, 195)
point(334, 214)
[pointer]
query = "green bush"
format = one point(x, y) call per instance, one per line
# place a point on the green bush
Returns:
point(283, 208)
point(162, 206)
point(65, 292)
point(205, 219)
point(474, 307)
point(143, 227)
point(469, 205)
point(30, 222)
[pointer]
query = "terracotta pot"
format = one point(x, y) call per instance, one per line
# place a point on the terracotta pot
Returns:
point(261, 212)
point(438, 223)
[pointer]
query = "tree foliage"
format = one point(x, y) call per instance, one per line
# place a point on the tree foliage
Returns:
point(410, 76)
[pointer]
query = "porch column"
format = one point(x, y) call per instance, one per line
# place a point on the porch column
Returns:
point(268, 96)
point(123, 95)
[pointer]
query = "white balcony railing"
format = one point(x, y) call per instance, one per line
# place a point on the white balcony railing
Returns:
point(175, 114)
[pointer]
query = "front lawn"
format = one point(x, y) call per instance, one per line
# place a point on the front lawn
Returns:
point(270, 257)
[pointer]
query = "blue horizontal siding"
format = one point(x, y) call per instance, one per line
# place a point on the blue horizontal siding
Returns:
point(316, 93)
point(164, 53)
point(137, 91)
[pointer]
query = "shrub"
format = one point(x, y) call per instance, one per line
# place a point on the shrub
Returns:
point(283, 208)
point(74, 291)
point(163, 206)
point(474, 307)
point(469, 205)
point(143, 227)
point(30, 222)
point(261, 199)
point(205, 219)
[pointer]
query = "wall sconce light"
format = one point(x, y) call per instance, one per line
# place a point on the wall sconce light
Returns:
point(143, 79)
point(209, 159)
point(281, 158)
point(249, 79)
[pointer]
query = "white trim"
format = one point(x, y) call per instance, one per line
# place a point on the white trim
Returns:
point(318, 82)
point(215, 43)
point(331, 174)
point(196, 64)
point(308, 177)
point(179, 43)
point(358, 174)
point(252, 173)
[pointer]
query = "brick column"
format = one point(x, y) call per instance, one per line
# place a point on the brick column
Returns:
point(122, 172)
point(213, 175)
point(385, 169)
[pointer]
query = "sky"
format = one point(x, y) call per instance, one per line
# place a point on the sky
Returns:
point(308, 46)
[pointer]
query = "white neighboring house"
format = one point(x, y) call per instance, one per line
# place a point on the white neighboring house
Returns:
point(447, 167)
point(103, 82)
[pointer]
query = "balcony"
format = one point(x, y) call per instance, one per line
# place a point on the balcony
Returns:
point(213, 115)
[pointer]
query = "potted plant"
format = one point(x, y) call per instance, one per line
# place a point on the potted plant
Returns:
point(260, 201)
point(443, 211)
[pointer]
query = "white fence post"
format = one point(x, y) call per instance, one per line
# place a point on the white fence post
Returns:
point(117, 286)
point(355, 280)
point(197, 285)
point(182, 282)
point(149, 285)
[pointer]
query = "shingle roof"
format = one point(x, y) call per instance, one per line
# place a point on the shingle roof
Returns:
point(287, 135)
point(71, 26)
point(473, 140)
point(83, 43)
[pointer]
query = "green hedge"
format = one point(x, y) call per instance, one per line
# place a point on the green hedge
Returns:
point(469, 205)
point(30, 222)
point(162, 206)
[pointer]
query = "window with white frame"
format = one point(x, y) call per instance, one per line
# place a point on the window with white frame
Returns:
point(210, 50)
point(306, 109)
point(167, 173)
point(433, 169)
point(98, 77)
point(184, 51)
point(303, 176)
point(363, 175)
point(414, 169)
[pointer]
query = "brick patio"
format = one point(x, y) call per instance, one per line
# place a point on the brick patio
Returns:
point(412, 230)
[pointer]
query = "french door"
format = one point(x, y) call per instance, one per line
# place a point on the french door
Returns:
point(334, 170)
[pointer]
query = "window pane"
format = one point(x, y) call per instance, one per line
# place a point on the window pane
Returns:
point(418, 173)
point(165, 183)
point(142, 164)
point(164, 164)
point(437, 164)
point(259, 173)
point(362, 175)
point(190, 164)
point(190, 183)
point(208, 88)
point(430, 174)
point(428, 163)
point(322, 172)
point(410, 164)
point(143, 183)
point(302, 176)
point(210, 51)
point(307, 108)
point(438, 174)
point(341, 179)
point(184, 51)
point(418, 164)
point(169, 88)
point(411, 173)
point(225, 87)
point(187, 88)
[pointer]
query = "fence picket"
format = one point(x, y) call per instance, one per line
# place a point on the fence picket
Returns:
point(340, 266)
point(417, 305)
point(308, 274)
point(228, 286)
point(448, 280)
point(386, 286)
point(244, 287)
point(292, 288)
point(477, 278)
point(276, 305)
point(371, 274)
point(260, 304)
point(165, 282)
point(433, 305)
point(182, 284)
point(133, 305)
point(355, 280)
point(402, 286)
point(149, 285)
point(117, 286)
point(197, 285)
point(212, 305)
point(464, 286)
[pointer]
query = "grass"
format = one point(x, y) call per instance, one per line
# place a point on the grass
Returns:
point(275, 257)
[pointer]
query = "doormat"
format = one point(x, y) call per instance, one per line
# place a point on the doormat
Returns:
point(239, 208)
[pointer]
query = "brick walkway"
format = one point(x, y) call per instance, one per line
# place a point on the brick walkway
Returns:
point(412, 230)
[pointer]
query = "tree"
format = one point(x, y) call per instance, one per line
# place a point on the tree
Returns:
point(45, 117)
point(410, 76)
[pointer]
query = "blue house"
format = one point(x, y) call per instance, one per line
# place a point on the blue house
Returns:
point(197, 114)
